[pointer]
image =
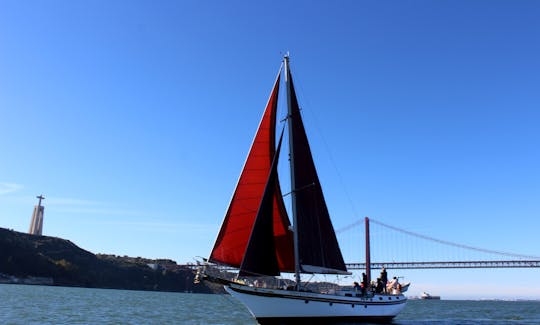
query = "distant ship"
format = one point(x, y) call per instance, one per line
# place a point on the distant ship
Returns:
point(427, 296)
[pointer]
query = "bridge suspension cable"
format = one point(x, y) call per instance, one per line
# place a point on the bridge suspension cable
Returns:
point(440, 241)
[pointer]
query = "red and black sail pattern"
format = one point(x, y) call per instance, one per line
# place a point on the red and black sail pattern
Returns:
point(255, 235)
point(260, 256)
point(236, 229)
point(318, 248)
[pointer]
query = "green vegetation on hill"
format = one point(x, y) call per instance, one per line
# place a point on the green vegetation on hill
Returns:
point(23, 255)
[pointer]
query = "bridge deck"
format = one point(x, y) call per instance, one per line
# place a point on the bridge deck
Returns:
point(433, 265)
point(448, 265)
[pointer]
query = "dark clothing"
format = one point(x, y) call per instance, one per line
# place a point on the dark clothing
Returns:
point(379, 287)
point(384, 279)
point(364, 284)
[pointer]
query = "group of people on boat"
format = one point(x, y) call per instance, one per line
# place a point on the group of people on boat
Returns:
point(381, 286)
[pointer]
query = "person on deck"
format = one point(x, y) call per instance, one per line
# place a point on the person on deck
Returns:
point(364, 284)
point(394, 285)
point(384, 278)
point(379, 287)
point(356, 286)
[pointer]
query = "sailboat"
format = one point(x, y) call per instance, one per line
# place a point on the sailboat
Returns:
point(257, 238)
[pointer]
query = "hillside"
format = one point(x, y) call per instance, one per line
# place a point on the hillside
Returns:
point(23, 255)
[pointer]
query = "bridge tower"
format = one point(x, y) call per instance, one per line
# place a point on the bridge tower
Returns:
point(36, 225)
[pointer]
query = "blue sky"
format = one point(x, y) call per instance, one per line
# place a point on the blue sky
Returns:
point(133, 118)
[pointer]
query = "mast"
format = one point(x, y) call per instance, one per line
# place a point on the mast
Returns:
point(368, 256)
point(293, 185)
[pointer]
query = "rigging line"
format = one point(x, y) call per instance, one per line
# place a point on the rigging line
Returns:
point(452, 243)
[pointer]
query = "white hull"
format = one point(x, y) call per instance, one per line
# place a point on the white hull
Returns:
point(272, 305)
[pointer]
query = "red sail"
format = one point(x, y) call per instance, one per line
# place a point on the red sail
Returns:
point(260, 258)
point(235, 231)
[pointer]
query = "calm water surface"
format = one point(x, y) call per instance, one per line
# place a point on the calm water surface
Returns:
point(21, 304)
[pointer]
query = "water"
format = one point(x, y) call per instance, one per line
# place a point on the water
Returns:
point(21, 304)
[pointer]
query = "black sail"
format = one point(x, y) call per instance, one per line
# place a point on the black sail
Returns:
point(318, 248)
point(260, 256)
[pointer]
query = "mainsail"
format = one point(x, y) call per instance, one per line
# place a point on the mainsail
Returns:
point(237, 225)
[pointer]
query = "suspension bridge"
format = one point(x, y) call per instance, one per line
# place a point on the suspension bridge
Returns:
point(442, 254)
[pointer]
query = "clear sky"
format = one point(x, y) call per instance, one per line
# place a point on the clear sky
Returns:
point(133, 119)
